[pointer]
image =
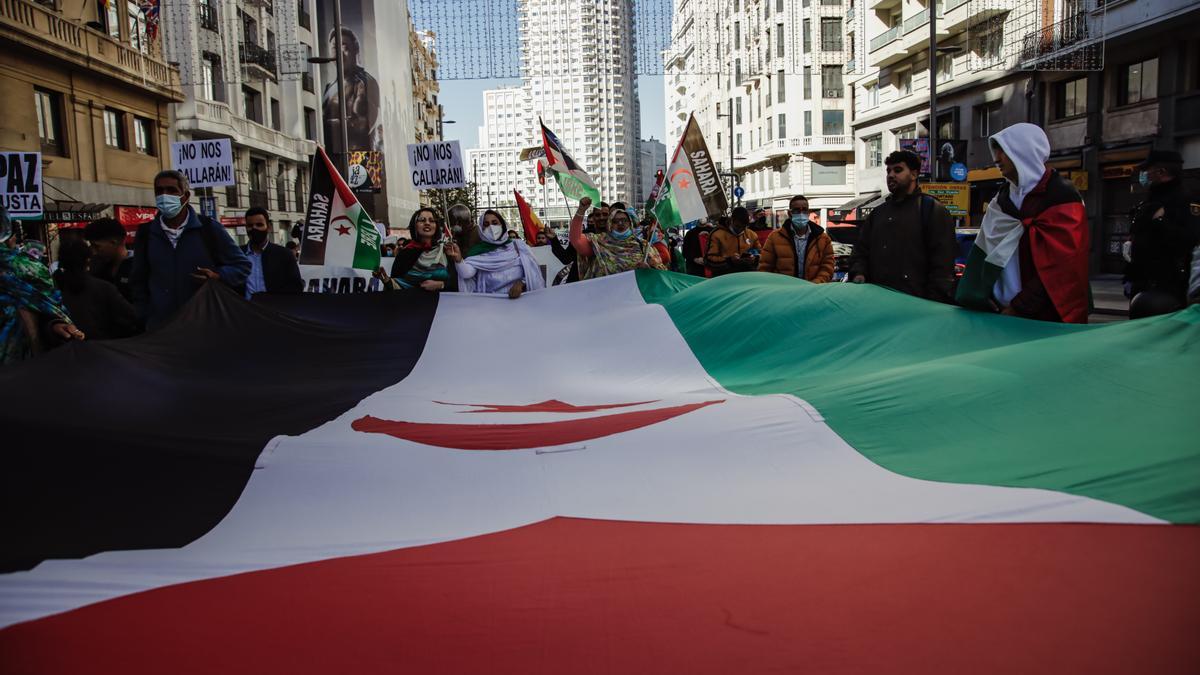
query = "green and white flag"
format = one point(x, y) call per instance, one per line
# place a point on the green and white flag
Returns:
point(338, 231)
point(574, 182)
point(692, 187)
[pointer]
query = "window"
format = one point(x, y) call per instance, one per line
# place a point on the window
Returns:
point(831, 82)
point(49, 117)
point(833, 122)
point(987, 119)
point(718, 140)
point(310, 124)
point(828, 172)
point(807, 36)
point(1071, 98)
point(737, 35)
point(807, 82)
point(770, 128)
point(276, 115)
point(779, 6)
point(737, 71)
point(739, 143)
point(782, 126)
point(904, 83)
point(212, 84)
point(779, 80)
point(143, 136)
point(990, 45)
point(1139, 82)
point(252, 105)
point(874, 151)
point(110, 19)
point(137, 27)
point(779, 40)
point(831, 34)
point(807, 123)
point(114, 128)
point(208, 15)
point(737, 110)
point(945, 67)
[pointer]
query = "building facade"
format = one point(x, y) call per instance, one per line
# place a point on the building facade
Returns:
point(765, 80)
point(426, 109)
point(653, 158)
point(87, 86)
point(495, 166)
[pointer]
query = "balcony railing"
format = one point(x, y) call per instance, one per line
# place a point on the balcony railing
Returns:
point(37, 28)
point(955, 4)
point(255, 55)
point(919, 19)
point(1054, 40)
point(883, 39)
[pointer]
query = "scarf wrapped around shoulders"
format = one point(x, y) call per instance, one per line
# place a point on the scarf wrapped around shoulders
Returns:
point(613, 256)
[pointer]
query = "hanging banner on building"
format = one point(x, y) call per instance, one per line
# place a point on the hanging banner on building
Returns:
point(207, 163)
point(366, 171)
point(436, 166)
point(21, 184)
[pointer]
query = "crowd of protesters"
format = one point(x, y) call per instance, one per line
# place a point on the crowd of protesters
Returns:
point(103, 289)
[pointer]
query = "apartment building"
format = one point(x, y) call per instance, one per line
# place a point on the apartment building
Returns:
point(87, 86)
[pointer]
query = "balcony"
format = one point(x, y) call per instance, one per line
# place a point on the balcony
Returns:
point(886, 48)
point(1061, 46)
point(957, 15)
point(787, 146)
point(206, 118)
point(35, 28)
point(917, 40)
point(257, 58)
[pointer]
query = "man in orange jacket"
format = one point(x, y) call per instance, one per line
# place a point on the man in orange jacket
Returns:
point(733, 248)
point(800, 248)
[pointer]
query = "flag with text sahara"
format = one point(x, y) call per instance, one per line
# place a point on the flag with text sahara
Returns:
point(691, 188)
point(865, 482)
point(338, 231)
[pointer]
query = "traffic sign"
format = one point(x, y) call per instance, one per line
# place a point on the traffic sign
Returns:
point(739, 192)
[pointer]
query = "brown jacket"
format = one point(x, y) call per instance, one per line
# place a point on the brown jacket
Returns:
point(779, 254)
point(724, 244)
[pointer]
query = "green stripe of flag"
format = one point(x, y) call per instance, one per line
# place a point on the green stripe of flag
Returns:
point(940, 393)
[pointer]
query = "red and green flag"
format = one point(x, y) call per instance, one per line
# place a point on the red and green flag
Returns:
point(338, 231)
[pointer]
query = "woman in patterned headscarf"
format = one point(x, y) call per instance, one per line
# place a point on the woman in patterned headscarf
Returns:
point(422, 262)
point(612, 252)
point(30, 306)
point(497, 264)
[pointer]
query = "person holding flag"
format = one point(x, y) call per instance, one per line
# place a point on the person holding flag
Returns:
point(497, 264)
point(423, 262)
point(612, 252)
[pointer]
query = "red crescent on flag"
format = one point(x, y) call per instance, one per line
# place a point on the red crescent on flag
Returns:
point(333, 221)
point(521, 436)
point(551, 406)
point(676, 173)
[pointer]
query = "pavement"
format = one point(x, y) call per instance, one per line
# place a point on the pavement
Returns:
point(1109, 303)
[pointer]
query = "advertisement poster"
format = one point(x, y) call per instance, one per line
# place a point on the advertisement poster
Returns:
point(956, 197)
point(364, 121)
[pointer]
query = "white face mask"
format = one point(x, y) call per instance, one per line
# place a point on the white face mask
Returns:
point(495, 232)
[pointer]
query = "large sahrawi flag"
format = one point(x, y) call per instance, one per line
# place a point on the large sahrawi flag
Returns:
point(574, 182)
point(340, 240)
point(815, 478)
point(692, 188)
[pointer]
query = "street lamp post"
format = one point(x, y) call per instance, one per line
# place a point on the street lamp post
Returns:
point(732, 173)
point(934, 50)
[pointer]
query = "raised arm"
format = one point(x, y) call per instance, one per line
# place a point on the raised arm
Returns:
point(582, 245)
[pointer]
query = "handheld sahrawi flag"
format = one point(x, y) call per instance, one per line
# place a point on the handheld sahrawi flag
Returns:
point(692, 187)
point(572, 179)
point(338, 232)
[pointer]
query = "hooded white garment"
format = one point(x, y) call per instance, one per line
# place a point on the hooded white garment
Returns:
point(497, 270)
point(1028, 148)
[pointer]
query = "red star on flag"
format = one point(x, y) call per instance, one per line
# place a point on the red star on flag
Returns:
point(342, 229)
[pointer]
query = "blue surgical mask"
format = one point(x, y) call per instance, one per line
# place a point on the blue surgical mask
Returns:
point(168, 205)
point(1144, 178)
point(621, 235)
point(800, 219)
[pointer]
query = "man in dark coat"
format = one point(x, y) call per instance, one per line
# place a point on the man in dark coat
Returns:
point(907, 243)
point(111, 261)
point(1164, 230)
point(177, 252)
point(273, 269)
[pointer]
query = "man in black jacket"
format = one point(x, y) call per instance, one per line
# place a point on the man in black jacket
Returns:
point(907, 243)
point(1164, 230)
point(111, 260)
point(273, 269)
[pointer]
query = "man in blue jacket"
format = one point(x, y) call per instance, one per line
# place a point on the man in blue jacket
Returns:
point(178, 251)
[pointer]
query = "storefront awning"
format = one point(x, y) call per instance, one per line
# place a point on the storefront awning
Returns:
point(846, 211)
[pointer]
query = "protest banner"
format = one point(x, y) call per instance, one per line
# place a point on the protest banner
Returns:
point(21, 184)
point(206, 163)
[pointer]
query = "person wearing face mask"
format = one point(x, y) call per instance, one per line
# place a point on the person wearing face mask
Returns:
point(612, 252)
point(272, 268)
point(734, 247)
point(424, 261)
point(177, 252)
point(462, 227)
point(497, 264)
point(801, 240)
point(1031, 256)
point(1163, 231)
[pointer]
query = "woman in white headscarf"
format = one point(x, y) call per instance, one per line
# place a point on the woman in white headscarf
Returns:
point(497, 264)
point(1031, 256)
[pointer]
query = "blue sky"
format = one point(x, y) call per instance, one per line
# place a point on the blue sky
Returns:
point(462, 101)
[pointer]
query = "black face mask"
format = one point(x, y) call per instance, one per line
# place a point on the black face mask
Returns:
point(256, 236)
